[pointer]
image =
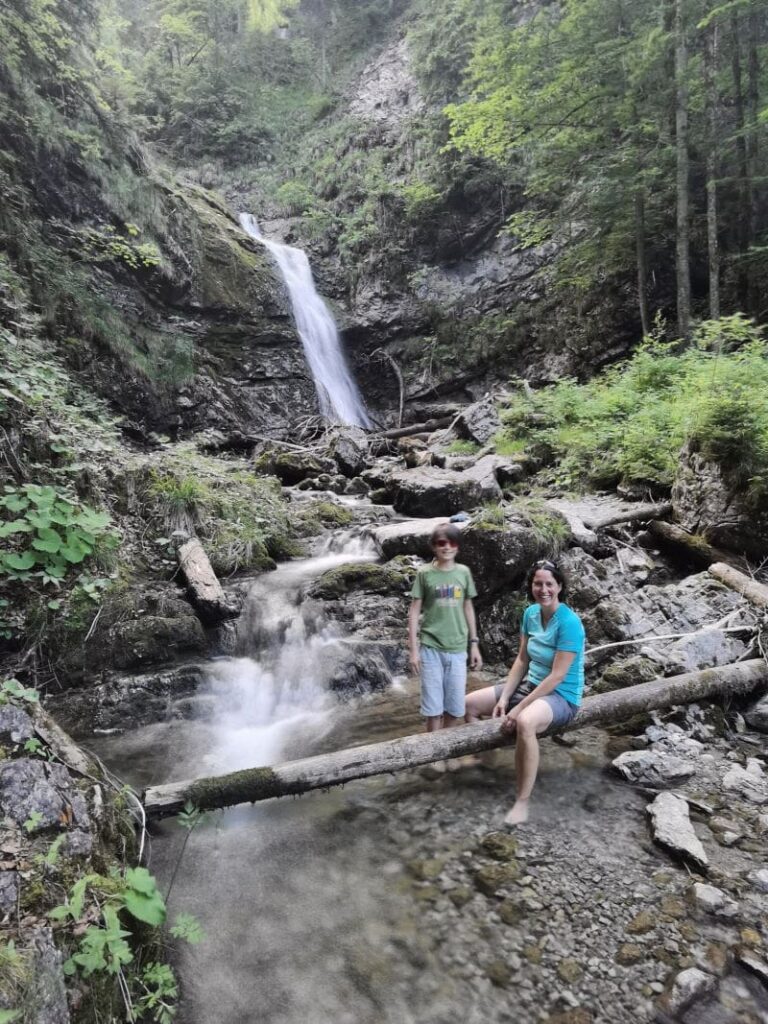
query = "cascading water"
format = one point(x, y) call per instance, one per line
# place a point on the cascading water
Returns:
point(337, 392)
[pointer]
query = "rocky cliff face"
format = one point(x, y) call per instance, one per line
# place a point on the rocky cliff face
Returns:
point(146, 284)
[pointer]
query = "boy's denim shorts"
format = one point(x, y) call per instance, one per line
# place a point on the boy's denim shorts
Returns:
point(443, 682)
point(562, 710)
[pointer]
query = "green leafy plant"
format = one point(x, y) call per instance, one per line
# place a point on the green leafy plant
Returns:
point(101, 948)
point(12, 691)
point(160, 988)
point(32, 821)
point(52, 533)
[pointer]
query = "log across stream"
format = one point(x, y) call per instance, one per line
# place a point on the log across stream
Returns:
point(333, 769)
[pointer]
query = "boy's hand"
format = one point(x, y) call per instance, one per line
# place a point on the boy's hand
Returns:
point(414, 660)
point(499, 709)
point(475, 657)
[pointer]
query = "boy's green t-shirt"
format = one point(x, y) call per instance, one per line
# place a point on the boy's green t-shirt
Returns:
point(443, 593)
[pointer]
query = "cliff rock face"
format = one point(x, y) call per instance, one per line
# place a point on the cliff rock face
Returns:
point(147, 284)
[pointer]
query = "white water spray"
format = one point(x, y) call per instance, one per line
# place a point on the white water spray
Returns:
point(337, 392)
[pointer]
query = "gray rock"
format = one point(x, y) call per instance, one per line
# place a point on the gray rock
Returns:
point(749, 782)
point(672, 828)
point(756, 715)
point(753, 964)
point(713, 900)
point(430, 491)
point(47, 994)
point(652, 768)
point(688, 987)
point(9, 891)
point(29, 787)
point(706, 501)
point(15, 725)
point(479, 422)
point(350, 451)
point(759, 879)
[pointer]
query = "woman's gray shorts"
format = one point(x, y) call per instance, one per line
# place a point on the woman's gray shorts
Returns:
point(562, 709)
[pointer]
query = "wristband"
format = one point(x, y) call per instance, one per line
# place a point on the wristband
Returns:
point(474, 640)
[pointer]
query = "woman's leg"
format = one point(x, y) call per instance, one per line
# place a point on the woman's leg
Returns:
point(532, 721)
point(480, 704)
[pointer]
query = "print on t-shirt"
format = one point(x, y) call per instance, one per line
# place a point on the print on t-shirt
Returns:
point(448, 595)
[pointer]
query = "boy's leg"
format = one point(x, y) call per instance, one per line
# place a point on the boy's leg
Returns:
point(431, 689)
point(454, 687)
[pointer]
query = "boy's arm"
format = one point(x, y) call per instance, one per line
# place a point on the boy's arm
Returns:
point(475, 658)
point(414, 658)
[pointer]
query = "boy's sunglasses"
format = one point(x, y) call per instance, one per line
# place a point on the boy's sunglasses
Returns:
point(445, 543)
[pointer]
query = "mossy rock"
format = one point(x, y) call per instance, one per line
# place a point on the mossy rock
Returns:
point(627, 672)
point(331, 514)
point(500, 846)
point(499, 972)
point(492, 877)
point(644, 922)
point(292, 467)
point(630, 953)
point(570, 970)
point(511, 912)
point(460, 896)
point(425, 869)
point(390, 578)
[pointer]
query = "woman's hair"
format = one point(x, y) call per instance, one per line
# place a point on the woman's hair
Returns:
point(446, 530)
point(559, 575)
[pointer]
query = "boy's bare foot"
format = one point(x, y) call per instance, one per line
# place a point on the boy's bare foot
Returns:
point(519, 813)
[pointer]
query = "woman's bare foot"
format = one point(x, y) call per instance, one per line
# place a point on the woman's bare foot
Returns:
point(467, 761)
point(519, 813)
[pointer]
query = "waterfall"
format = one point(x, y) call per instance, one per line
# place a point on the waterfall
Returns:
point(337, 392)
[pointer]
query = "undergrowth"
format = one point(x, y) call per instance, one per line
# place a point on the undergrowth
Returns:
point(241, 518)
point(630, 423)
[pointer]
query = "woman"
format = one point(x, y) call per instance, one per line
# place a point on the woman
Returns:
point(551, 661)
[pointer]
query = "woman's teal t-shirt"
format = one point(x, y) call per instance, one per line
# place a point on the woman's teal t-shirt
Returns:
point(563, 632)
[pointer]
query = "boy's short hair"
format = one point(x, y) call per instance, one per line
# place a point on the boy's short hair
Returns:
point(445, 530)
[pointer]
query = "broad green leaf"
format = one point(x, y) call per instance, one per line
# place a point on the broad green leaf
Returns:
point(47, 540)
point(15, 526)
point(20, 562)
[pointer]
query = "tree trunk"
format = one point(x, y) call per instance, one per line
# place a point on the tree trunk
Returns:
point(713, 110)
point(642, 266)
point(682, 248)
point(699, 550)
point(752, 143)
point(334, 769)
point(755, 592)
point(205, 592)
point(744, 189)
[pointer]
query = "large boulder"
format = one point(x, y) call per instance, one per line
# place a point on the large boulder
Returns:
point(291, 466)
point(350, 451)
point(706, 500)
point(498, 553)
point(480, 421)
point(431, 491)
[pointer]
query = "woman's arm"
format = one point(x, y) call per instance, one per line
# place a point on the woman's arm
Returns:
point(560, 666)
point(515, 676)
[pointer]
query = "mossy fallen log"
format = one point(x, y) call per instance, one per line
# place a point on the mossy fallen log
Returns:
point(206, 594)
point(749, 588)
point(638, 513)
point(699, 549)
point(338, 767)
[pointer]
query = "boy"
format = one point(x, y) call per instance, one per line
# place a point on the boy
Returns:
point(443, 591)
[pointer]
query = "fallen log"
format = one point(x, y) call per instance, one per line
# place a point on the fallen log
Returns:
point(636, 514)
point(205, 592)
point(700, 550)
point(417, 428)
point(755, 592)
point(325, 770)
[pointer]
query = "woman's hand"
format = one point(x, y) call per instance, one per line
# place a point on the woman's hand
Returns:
point(499, 708)
point(510, 719)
